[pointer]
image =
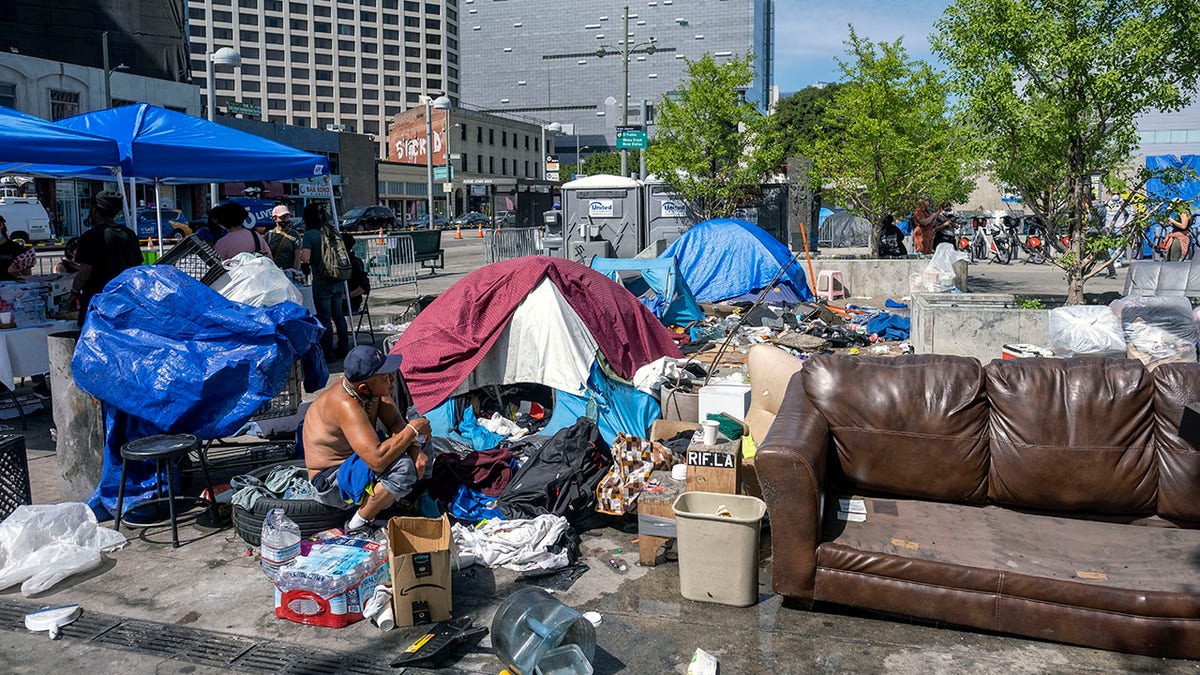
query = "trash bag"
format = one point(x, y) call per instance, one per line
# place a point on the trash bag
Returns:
point(1158, 329)
point(255, 280)
point(1085, 330)
point(44, 544)
point(560, 478)
point(938, 276)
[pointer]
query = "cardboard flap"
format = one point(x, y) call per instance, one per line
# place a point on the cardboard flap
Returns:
point(418, 535)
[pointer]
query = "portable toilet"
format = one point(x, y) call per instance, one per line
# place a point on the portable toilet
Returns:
point(667, 214)
point(602, 216)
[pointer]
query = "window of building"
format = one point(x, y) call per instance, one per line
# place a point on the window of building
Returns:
point(347, 14)
point(391, 50)
point(527, 168)
point(370, 109)
point(433, 24)
point(299, 41)
point(303, 106)
point(412, 36)
point(368, 47)
point(368, 32)
point(323, 59)
point(324, 90)
point(322, 27)
point(197, 48)
point(300, 89)
point(433, 54)
point(504, 138)
point(347, 29)
point(300, 73)
point(412, 67)
point(391, 95)
point(323, 43)
point(319, 10)
point(491, 165)
point(391, 19)
point(273, 38)
point(222, 34)
point(8, 94)
point(248, 4)
point(299, 57)
point(276, 104)
point(451, 14)
point(298, 7)
point(413, 98)
point(251, 85)
point(248, 19)
point(222, 17)
point(410, 6)
point(325, 75)
point(251, 69)
point(433, 39)
point(491, 136)
point(412, 82)
point(275, 71)
point(347, 76)
point(276, 88)
point(392, 110)
point(527, 141)
point(248, 35)
point(273, 22)
point(478, 163)
point(298, 24)
point(412, 52)
point(196, 13)
point(478, 134)
point(462, 132)
point(370, 64)
point(324, 106)
point(412, 22)
point(300, 122)
point(63, 104)
point(503, 166)
point(433, 69)
point(197, 30)
point(346, 61)
point(348, 108)
point(324, 122)
point(273, 5)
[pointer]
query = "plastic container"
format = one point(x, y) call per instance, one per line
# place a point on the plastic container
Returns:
point(280, 543)
point(531, 625)
point(718, 554)
point(564, 660)
point(331, 585)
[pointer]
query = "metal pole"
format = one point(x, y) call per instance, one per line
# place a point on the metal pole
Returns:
point(333, 216)
point(544, 154)
point(642, 152)
point(625, 89)
point(212, 117)
point(158, 213)
point(429, 160)
point(107, 71)
point(578, 162)
point(449, 172)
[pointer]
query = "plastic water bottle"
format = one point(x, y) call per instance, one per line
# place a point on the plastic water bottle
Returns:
point(280, 543)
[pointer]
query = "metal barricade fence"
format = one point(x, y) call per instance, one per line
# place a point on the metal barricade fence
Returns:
point(511, 242)
point(388, 259)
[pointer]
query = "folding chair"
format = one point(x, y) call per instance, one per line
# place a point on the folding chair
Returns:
point(364, 312)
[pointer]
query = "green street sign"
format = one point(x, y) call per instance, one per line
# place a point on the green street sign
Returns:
point(239, 108)
point(631, 139)
point(440, 173)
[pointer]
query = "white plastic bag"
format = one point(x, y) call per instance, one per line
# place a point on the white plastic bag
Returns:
point(42, 545)
point(1085, 330)
point(938, 276)
point(256, 281)
point(1158, 329)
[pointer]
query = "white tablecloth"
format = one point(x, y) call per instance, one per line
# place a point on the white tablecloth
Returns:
point(23, 351)
point(311, 306)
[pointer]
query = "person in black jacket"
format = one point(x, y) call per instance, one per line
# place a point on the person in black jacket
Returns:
point(106, 250)
point(360, 282)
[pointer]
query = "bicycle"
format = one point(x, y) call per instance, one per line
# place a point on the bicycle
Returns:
point(1037, 250)
point(987, 242)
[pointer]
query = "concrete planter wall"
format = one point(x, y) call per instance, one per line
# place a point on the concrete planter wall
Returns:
point(975, 324)
point(875, 278)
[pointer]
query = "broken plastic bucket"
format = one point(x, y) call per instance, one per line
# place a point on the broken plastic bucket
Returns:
point(717, 538)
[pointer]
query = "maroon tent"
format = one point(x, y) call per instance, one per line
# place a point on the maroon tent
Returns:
point(452, 335)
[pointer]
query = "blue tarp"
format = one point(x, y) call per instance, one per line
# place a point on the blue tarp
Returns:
point(657, 284)
point(1187, 190)
point(727, 258)
point(178, 149)
point(27, 139)
point(166, 354)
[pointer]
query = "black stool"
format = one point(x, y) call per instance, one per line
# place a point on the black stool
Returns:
point(160, 449)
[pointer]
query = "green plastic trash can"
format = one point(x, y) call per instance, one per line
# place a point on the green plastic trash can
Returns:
point(717, 538)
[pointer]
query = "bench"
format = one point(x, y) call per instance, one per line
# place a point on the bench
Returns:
point(427, 248)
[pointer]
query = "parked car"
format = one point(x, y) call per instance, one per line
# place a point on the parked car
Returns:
point(506, 218)
point(27, 219)
point(368, 219)
point(175, 225)
point(422, 222)
point(472, 219)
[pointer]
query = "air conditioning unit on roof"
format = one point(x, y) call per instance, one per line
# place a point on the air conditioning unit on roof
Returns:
point(335, 127)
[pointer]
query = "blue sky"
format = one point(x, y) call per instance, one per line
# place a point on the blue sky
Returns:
point(809, 34)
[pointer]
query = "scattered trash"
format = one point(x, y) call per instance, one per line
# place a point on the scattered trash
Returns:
point(531, 626)
point(617, 566)
point(44, 544)
point(379, 608)
point(280, 543)
point(702, 663)
point(439, 642)
point(52, 619)
point(593, 618)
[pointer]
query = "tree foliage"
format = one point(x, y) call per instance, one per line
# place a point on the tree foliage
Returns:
point(1054, 88)
point(709, 144)
point(796, 122)
point(890, 135)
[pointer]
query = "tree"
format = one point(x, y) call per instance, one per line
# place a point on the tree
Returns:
point(1054, 88)
point(796, 121)
point(896, 136)
point(709, 144)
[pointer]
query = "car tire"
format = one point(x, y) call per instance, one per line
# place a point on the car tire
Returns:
point(178, 234)
point(20, 234)
point(309, 515)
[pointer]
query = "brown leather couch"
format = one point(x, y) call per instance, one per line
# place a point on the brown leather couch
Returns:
point(1050, 498)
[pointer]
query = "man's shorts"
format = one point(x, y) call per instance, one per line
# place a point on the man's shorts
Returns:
point(351, 482)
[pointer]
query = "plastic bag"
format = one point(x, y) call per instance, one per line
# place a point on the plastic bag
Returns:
point(1085, 330)
point(1158, 329)
point(255, 280)
point(938, 276)
point(42, 545)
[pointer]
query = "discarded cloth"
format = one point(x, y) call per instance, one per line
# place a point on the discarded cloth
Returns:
point(649, 378)
point(479, 436)
point(487, 471)
point(284, 482)
point(502, 426)
point(472, 506)
point(518, 545)
point(890, 326)
point(44, 544)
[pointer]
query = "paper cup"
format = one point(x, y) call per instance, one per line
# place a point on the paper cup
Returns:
point(679, 472)
point(386, 620)
point(6, 317)
point(710, 431)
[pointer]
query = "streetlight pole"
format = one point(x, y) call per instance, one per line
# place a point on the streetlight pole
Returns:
point(443, 102)
point(429, 162)
point(107, 72)
point(625, 50)
point(226, 56)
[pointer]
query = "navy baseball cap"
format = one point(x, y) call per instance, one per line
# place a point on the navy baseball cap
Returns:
point(365, 361)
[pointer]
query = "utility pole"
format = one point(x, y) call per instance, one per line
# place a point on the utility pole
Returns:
point(625, 88)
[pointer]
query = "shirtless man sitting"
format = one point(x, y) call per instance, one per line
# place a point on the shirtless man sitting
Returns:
point(346, 461)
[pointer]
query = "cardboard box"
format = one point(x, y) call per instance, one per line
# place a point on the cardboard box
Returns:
point(419, 557)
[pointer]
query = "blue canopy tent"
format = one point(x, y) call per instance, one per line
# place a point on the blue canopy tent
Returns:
point(731, 259)
point(172, 148)
point(1187, 189)
point(26, 141)
point(657, 284)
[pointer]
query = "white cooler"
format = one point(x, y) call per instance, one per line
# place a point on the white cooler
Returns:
point(724, 397)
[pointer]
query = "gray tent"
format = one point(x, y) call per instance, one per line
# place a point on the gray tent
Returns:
point(844, 229)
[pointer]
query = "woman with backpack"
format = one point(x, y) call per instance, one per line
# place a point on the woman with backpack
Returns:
point(238, 239)
point(323, 255)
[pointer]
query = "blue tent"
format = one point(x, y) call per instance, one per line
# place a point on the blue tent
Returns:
point(173, 148)
point(731, 259)
point(26, 139)
point(657, 284)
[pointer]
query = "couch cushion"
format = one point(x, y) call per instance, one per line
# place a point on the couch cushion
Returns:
point(1146, 571)
point(1072, 435)
point(1176, 385)
point(910, 425)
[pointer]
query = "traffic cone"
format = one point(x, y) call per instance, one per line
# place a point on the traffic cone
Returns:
point(479, 235)
point(458, 232)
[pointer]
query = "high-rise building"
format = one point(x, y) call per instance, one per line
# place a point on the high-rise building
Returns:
point(540, 58)
point(345, 65)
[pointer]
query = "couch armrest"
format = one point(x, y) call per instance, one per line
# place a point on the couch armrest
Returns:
point(791, 465)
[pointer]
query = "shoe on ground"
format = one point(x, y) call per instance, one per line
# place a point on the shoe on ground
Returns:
point(42, 391)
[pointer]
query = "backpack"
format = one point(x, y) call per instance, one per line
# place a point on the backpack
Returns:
point(335, 260)
point(560, 477)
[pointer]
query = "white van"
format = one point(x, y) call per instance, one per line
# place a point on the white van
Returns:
point(26, 219)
